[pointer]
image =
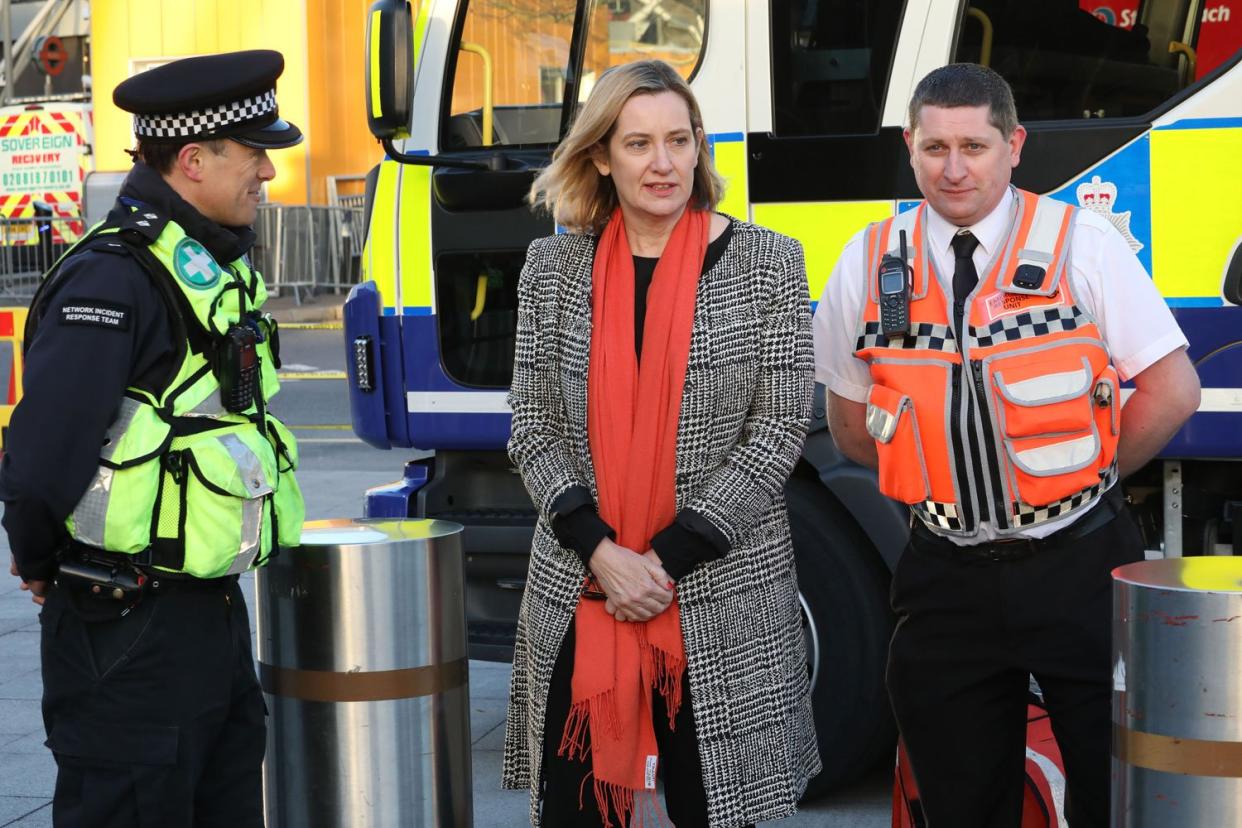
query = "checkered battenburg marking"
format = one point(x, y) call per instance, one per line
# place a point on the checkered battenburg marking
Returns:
point(1026, 515)
point(205, 121)
point(938, 515)
point(1028, 324)
point(924, 336)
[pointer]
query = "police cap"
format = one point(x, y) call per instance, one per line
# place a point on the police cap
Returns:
point(232, 95)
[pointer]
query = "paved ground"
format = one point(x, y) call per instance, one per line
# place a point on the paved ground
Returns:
point(27, 772)
point(336, 470)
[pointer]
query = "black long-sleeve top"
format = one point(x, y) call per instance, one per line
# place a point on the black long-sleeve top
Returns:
point(690, 539)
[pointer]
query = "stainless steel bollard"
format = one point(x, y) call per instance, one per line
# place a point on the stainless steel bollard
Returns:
point(362, 656)
point(1177, 700)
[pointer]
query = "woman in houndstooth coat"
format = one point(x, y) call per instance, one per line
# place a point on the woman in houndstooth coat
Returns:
point(744, 408)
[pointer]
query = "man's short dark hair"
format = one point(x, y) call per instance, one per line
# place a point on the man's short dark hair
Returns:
point(161, 155)
point(967, 84)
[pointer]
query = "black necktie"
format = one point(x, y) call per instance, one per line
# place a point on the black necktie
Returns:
point(964, 274)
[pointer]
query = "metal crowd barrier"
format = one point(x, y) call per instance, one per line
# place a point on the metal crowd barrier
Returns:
point(308, 250)
point(356, 184)
point(28, 247)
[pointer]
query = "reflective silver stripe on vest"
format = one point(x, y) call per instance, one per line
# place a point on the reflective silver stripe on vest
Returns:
point(1041, 242)
point(210, 407)
point(1045, 230)
point(255, 480)
point(1057, 458)
point(124, 418)
point(251, 535)
point(91, 514)
point(248, 465)
point(1046, 389)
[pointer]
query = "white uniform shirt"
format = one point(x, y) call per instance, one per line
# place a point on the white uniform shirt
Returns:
point(1107, 280)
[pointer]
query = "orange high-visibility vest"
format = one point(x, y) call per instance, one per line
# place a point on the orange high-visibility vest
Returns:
point(1013, 420)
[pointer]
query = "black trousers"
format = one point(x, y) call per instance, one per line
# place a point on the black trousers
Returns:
point(969, 631)
point(155, 718)
point(679, 767)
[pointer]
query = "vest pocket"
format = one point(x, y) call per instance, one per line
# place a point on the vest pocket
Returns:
point(1052, 467)
point(115, 511)
point(221, 501)
point(1058, 420)
point(892, 423)
point(1043, 397)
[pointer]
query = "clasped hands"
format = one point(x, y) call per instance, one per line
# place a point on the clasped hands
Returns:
point(636, 586)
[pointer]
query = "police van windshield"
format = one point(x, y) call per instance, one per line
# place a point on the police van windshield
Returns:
point(530, 55)
point(1099, 58)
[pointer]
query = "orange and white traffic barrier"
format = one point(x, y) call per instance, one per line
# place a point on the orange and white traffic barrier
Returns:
point(12, 326)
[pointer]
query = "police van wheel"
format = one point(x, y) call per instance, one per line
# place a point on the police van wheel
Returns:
point(843, 592)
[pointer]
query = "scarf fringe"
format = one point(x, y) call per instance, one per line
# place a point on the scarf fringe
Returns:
point(614, 799)
point(667, 670)
point(620, 800)
point(600, 710)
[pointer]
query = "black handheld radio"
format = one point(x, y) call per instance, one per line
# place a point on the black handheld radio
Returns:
point(895, 293)
point(237, 367)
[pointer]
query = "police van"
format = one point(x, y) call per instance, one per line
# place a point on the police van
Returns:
point(1133, 108)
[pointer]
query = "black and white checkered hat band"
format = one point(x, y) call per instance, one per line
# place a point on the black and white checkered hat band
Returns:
point(205, 121)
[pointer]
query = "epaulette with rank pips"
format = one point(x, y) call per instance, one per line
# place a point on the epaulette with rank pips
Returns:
point(143, 225)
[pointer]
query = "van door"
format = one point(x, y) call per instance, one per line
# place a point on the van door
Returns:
point(514, 74)
point(827, 156)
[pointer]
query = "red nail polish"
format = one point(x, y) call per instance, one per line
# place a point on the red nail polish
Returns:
point(670, 584)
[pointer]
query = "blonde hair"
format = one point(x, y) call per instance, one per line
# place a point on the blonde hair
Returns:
point(571, 188)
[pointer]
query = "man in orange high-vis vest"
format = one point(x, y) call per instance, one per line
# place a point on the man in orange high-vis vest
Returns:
point(994, 410)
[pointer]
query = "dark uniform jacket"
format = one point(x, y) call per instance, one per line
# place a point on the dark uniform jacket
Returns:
point(76, 373)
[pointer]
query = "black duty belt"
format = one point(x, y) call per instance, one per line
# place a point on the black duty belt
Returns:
point(1103, 513)
point(145, 562)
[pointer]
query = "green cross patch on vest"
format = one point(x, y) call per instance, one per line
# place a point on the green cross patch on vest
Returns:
point(194, 265)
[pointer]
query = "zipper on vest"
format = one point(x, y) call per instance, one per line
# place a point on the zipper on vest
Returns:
point(976, 455)
point(999, 509)
point(966, 491)
point(959, 454)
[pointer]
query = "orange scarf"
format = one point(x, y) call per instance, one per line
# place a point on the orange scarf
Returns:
point(632, 415)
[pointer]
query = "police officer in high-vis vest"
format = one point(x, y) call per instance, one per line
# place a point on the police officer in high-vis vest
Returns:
point(983, 381)
point(143, 470)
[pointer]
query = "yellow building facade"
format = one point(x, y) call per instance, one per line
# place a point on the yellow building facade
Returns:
point(321, 89)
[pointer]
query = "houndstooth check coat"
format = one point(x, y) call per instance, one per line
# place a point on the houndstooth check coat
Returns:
point(744, 414)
